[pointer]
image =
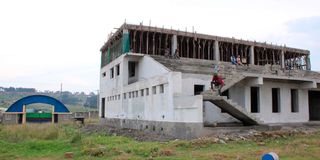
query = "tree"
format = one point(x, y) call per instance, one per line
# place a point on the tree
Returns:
point(91, 101)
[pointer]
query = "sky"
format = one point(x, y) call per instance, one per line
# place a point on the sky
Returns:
point(44, 43)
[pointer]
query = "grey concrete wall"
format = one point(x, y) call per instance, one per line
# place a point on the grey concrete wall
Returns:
point(175, 129)
point(213, 115)
point(64, 118)
point(89, 114)
point(10, 118)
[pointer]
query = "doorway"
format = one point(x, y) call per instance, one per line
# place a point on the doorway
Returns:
point(314, 105)
point(103, 107)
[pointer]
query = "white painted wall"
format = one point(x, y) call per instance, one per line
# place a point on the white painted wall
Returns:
point(211, 113)
point(285, 115)
point(178, 103)
point(167, 106)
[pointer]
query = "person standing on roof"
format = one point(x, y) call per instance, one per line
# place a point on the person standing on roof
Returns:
point(218, 82)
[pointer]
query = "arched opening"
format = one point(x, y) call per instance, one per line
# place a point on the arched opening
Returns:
point(39, 113)
point(37, 108)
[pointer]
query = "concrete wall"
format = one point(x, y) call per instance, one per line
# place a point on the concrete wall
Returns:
point(285, 115)
point(179, 104)
point(179, 130)
point(10, 118)
point(173, 105)
point(88, 114)
point(211, 113)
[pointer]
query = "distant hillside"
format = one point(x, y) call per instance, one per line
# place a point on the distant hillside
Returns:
point(81, 100)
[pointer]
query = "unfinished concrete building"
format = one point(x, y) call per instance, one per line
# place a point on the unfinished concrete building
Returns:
point(142, 87)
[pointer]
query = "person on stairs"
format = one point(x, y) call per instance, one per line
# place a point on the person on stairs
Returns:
point(218, 83)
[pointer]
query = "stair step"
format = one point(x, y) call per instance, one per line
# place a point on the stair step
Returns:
point(231, 108)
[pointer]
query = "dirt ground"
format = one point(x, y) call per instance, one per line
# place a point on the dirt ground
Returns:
point(217, 137)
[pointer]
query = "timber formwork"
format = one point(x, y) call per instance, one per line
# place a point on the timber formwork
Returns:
point(158, 41)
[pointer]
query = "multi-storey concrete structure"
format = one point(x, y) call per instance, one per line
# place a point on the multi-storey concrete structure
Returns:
point(143, 88)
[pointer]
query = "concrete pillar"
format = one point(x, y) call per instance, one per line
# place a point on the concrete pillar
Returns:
point(251, 55)
point(282, 59)
point(24, 114)
point(174, 44)
point(308, 64)
point(216, 51)
point(125, 41)
point(52, 119)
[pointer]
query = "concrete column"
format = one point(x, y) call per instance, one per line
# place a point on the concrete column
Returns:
point(52, 119)
point(282, 59)
point(174, 44)
point(308, 64)
point(216, 51)
point(251, 55)
point(24, 114)
point(125, 41)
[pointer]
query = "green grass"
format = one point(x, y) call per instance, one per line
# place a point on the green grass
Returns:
point(47, 141)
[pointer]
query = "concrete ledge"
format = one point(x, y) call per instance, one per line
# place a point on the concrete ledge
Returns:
point(179, 130)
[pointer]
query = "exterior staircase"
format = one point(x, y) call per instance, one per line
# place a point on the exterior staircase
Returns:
point(231, 108)
point(232, 77)
point(232, 80)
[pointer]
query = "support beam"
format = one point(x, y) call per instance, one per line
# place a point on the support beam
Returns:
point(153, 43)
point(188, 56)
point(308, 85)
point(52, 119)
point(216, 51)
point(140, 47)
point(208, 54)
point(308, 64)
point(173, 44)
point(147, 45)
point(251, 55)
point(282, 59)
point(255, 81)
point(24, 115)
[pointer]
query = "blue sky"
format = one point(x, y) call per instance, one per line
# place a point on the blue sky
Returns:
point(44, 43)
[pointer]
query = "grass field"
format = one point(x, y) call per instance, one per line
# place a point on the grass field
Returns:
point(47, 141)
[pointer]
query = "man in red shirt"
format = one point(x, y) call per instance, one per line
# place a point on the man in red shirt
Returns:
point(218, 82)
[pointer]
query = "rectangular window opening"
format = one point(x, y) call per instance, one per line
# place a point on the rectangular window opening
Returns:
point(154, 90)
point(294, 100)
point(132, 69)
point(161, 88)
point(111, 73)
point(275, 100)
point(124, 95)
point(255, 99)
point(118, 69)
point(142, 92)
point(198, 89)
point(147, 91)
point(103, 74)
